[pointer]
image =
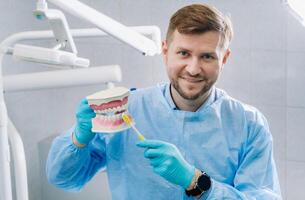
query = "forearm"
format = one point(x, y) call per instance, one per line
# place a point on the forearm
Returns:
point(70, 167)
point(220, 190)
point(75, 142)
point(243, 191)
point(195, 177)
point(194, 180)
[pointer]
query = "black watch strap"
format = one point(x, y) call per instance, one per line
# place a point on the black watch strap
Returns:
point(203, 184)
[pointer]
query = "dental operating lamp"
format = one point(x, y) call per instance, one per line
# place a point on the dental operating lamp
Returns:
point(110, 26)
point(48, 56)
point(297, 9)
point(63, 54)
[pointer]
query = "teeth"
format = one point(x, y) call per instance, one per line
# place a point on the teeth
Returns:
point(110, 117)
point(100, 116)
point(124, 106)
point(112, 110)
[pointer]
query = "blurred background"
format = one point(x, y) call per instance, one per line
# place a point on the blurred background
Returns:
point(266, 69)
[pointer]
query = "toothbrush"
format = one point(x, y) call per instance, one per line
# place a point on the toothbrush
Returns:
point(128, 120)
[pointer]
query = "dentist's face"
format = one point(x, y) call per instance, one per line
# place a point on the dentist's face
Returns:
point(194, 62)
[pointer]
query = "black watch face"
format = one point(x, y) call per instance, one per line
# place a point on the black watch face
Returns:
point(204, 182)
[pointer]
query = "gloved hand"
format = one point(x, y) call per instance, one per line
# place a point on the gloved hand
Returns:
point(84, 114)
point(168, 162)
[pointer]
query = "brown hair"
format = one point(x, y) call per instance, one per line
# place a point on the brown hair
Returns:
point(200, 18)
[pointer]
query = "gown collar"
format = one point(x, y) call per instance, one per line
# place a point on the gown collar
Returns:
point(208, 102)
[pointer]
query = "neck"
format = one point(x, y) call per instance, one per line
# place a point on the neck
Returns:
point(186, 104)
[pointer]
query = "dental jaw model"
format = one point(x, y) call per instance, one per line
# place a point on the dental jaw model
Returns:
point(109, 105)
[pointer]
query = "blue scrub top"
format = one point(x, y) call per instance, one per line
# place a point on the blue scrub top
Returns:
point(227, 139)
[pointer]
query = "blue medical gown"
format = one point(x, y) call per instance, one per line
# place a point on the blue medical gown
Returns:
point(227, 139)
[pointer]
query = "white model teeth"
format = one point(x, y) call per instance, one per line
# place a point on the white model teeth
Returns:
point(116, 109)
point(113, 110)
point(111, 117)
point(100, 111)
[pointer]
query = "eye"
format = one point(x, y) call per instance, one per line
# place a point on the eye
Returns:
point(183, 53)
point(208, 57)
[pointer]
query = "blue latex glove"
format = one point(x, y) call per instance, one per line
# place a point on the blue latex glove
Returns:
point(168, 162)
point(84, 115)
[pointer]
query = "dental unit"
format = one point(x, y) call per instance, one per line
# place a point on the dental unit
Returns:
point(110, 104)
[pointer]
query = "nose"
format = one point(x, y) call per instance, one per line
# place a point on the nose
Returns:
point(193, 67)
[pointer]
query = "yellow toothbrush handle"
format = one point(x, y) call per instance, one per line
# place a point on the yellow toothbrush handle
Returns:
point(141, 137)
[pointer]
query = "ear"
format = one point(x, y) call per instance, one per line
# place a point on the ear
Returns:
point(226, 56)
point(164, 50)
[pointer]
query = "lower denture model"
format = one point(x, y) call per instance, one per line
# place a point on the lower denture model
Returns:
point(109, 105)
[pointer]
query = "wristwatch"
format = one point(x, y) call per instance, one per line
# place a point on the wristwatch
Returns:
point(203, 184)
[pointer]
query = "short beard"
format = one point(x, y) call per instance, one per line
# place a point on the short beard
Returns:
point(204, 90)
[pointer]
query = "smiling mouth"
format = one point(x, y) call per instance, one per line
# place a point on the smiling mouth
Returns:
point(192, 80)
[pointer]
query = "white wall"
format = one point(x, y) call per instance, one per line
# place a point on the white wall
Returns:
point(266, 69)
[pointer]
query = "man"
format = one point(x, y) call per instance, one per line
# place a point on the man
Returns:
point(201, 143)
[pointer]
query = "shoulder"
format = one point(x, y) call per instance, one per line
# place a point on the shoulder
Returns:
point(141, 93)
point(146, 96)
point(253, 119)
point(250, 113)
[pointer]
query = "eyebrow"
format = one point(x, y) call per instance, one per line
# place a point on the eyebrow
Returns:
point(185, 49)
point(214, 53)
